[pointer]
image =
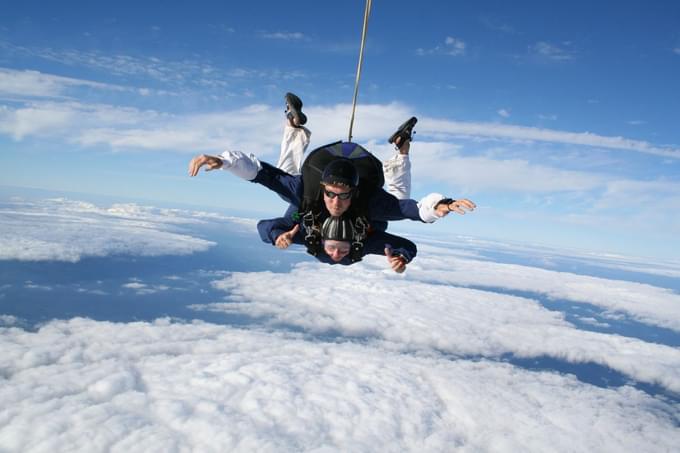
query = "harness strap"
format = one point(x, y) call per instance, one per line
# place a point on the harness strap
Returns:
point(361, 226)
point(312, 236)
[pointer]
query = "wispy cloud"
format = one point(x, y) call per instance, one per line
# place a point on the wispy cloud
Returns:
point(145, 69)
point(497, 25)
point(452, 46)
point(143, 289)
point(283, 36)
point(16, 83)
point(552, 52)
point(505, 113)
point(477, 173)
point(514, 132)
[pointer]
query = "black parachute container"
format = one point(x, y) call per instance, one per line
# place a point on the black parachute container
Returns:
point(367, 165)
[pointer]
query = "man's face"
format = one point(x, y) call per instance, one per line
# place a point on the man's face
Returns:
point(335, 206)
point(336, 250)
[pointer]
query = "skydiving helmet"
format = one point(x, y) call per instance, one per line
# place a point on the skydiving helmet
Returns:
point(337, 229)
point(344, 229)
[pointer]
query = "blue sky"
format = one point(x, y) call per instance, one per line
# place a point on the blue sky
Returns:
point(560, 121)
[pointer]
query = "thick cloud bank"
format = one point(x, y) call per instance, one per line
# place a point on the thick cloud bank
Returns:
point(66, 230)
point(420, 315)
point(81, 385)
point(462, 352)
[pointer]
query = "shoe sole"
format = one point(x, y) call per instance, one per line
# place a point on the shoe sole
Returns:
point(295, 109)
point(404, 131)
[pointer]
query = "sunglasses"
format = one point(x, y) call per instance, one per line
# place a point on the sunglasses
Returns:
point(342, 196)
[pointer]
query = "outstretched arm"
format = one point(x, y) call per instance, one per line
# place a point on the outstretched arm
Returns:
point(245, 166)
point(250, 168)
point(386, 207)
point(435, 206)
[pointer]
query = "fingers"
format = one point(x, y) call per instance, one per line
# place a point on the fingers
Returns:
point(195, 165)
point(398, 265)
point(459, 206)
point(467, 203)
point(454, 208)
point(286, 239)
point(197, 162)
point(283, 241)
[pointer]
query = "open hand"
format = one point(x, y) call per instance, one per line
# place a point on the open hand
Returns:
point(457, 206)
point(211, 163)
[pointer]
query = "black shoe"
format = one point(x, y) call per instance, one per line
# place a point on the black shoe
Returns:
point(294, 110)
point(405, 131)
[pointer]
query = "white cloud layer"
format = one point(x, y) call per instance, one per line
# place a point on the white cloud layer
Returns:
point(646, 303)
point(118, 126)
point(425, 311)
point(437, 126)
point(65, 230)
point(81, 385)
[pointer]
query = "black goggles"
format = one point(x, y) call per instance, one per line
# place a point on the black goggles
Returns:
point(342, 196)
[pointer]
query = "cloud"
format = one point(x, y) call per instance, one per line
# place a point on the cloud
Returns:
point(452, 46)
point(15, 83)
point(119, 127)
point(177, 76)
point(504, 113)
point(8, 320)
point(28, 284)
point(552, 52)
point(143, 289)
point(487, 173)
point(476, 248)
point(283, 36)
point(86, 385)
point(78, 230)
point(516, 132)
point(646, 303)
point(428, 310)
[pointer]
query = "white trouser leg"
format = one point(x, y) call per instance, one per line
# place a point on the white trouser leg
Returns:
point(293, 146)
point(398, 176)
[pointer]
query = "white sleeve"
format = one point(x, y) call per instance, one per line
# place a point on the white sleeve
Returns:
point(426, 207)
point(243, 166)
